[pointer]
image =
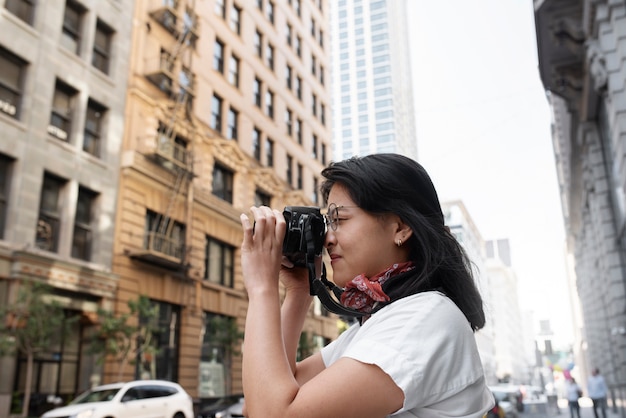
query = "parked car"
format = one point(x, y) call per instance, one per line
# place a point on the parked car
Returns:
point(227, 407)
point(509, 398)
point(217, 407)
point(136, 399)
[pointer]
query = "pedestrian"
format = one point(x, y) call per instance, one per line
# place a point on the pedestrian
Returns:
point(597, 391)
point(413, 352)
point(574, 392)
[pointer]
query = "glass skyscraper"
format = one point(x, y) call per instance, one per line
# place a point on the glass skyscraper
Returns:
point(371, 74)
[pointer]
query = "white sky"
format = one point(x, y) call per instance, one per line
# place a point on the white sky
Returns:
point(483, 129)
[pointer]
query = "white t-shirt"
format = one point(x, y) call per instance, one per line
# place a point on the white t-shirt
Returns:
point(425, 343)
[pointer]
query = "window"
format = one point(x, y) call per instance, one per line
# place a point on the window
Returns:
point(298, 9)
point(299, 88)
point(217, 336)
point(299, 131)
point(322, 75)
point(49, 222)
point(269, 152)
point(233, 71)
point(233, 117)
point(5, 178)
point(72, 21)
point(164, 235)
point(235, 20)
point(288, 76)
point(323, 154)
point(270, 11)
point(270, 57)
point(261, 198)
point(83, 224)
point(92, 142)
point(288, 121)
point(256, 144)
point(299, 46)
point(102, 47)
point(313, 65)
point(216, 113)
point(289, 170)
point(22, 9)
point(223, 180)
point(269, 104)
point(258, 44)
point(256, 89)
point(289, 34)
point(299, 179)
point(314, 104)
point(12, 71)
point(218, 56)
point(220, 8)
point(219, 262)
point(314, 146)
point(164, 364)
point(62, 111)
point(323, 114)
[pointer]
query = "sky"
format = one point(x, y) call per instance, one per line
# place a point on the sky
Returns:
point(483, 129)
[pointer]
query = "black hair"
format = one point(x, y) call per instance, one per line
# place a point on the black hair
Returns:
point(393, 183)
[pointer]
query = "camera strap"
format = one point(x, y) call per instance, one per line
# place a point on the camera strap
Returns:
point(321, 288)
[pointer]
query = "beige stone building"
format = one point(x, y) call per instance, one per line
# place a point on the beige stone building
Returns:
point(131, 141)
point(226, 108)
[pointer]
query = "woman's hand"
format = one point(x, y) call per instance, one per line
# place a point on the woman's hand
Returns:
point(261, 248)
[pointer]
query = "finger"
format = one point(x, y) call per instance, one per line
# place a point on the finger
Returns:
point(286, 262)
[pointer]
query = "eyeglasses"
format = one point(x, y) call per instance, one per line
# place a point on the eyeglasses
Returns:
point(332, 215)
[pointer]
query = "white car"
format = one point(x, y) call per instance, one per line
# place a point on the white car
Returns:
point(136, 399)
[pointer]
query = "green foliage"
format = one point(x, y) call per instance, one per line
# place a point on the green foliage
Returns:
point(224, 334)
point(33, 323)
point(306, 346)
point(122, 340)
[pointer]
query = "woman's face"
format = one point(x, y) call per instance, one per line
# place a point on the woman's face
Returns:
point(362, 243)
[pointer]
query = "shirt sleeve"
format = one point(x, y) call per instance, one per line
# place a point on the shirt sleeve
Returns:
point(424, 343)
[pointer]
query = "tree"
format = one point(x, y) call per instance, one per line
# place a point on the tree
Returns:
point(123, 341)
point(32, 324)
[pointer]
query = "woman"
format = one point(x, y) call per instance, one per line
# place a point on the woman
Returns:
point(413, 354)
point(574, 392)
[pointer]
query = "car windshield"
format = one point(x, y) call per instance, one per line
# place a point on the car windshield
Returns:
point(500, 396)
point(102, 395)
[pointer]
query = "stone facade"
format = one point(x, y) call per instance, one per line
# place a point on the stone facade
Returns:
point(582, 50)
point(111, 134)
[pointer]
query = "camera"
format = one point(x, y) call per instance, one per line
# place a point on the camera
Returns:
point(306, 230)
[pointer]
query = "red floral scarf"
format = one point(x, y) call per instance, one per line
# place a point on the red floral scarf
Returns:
point(363, 293)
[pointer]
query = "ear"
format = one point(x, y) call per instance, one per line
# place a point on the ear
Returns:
point(402, 231)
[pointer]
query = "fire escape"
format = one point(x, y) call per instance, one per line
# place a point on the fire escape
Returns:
point(166, 240)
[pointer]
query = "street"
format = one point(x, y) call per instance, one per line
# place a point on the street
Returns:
point(586, 410)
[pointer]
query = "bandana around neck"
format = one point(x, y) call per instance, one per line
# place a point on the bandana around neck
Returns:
point(363, 293)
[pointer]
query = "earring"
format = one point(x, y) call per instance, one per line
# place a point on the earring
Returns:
point(399, 242)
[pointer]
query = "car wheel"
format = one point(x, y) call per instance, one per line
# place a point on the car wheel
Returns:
point(179, 415)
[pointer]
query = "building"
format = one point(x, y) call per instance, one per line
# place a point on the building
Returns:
point(462, 226)
point(226, 108)
point(581, 51)
point(372, 87)
point(508, 325)
point(63, 74)
point(133, 137)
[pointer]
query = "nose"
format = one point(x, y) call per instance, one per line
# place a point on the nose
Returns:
point(330, 238)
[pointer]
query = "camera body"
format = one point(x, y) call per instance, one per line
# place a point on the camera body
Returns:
point(306, 231)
